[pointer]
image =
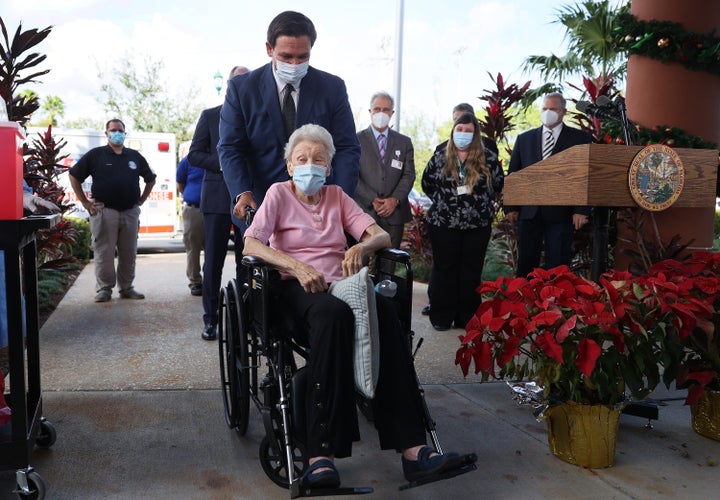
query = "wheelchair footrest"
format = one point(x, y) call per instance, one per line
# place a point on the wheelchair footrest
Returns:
point(465, 463)
point(298, 491)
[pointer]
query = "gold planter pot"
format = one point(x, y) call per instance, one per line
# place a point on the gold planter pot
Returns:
point(583, 435)
point(706, 415)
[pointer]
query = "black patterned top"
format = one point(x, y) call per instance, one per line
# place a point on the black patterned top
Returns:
point(461, 211)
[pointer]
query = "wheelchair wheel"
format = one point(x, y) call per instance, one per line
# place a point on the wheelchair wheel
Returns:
point(274, 461)
point(233, 351)
point(241, 348)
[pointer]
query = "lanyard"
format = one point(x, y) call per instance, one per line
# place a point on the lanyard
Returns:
point(461, 168)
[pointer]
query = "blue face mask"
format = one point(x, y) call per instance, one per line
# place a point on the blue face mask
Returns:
point(462, 139)
point(309, 178)
point(291, 73)
point(117, 138)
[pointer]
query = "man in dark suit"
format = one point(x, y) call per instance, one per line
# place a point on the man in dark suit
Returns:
point(263, 107)
point(387, 170)
point(216, 206)
point(551, 226)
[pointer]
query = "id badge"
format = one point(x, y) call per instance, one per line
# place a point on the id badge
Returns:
point(461, 190)
point(396, 164)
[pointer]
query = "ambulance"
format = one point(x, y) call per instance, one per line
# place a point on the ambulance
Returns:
point(159, 214)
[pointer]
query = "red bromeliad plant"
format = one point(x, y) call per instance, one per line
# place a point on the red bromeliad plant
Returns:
point(565, 333)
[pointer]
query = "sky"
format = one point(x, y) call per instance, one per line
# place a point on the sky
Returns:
point(448, 48)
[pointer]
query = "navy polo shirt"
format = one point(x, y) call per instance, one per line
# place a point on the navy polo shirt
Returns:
point(115, 177)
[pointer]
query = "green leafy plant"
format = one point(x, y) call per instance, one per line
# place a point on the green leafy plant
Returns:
point(416, 242)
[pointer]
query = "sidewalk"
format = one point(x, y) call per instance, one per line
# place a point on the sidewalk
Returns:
point(132, 391)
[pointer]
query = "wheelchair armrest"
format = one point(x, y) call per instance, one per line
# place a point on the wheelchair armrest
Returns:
point(393, 254)
point(253, 261)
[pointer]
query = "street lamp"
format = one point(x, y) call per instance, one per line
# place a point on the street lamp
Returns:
point(218, 81)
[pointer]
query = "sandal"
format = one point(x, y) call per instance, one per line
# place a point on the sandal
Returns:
point(425, 465)
point(323, 479)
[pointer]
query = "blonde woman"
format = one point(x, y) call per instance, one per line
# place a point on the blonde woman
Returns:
point(461, 180)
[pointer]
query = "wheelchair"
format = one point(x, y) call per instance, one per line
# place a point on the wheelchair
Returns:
point(254, 339)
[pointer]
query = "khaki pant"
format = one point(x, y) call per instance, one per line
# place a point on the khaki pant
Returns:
point(193, 238)
point(115, 230)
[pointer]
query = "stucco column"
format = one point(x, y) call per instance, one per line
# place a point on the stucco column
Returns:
point(669, 94)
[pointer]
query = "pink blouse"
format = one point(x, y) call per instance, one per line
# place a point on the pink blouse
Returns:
point(313, 234)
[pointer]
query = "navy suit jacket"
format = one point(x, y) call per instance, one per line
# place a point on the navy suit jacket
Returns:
point(214, 197)
point(252, 135)
point(528, 151)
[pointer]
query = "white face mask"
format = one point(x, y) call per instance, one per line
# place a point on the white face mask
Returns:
point(291, 73)
point(549, 118)
point(380, 120)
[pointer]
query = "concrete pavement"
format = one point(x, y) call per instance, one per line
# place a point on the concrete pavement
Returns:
point(132, 391)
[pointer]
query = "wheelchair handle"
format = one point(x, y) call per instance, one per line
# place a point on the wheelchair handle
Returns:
point(249, 215)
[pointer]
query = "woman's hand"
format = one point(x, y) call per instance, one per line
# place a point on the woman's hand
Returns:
point(353, 261)
point(311, 280)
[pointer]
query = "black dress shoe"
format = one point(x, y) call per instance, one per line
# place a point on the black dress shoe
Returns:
point(196, 290)
point(210, 332)
point(441, 327)
point(425, 310)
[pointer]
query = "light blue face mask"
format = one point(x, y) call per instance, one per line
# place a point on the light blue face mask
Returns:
point(462, 139)
point(309, 178)
point(291, 73)
point(117, 138)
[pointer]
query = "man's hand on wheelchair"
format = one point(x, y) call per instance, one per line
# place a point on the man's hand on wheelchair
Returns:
point(244, 201)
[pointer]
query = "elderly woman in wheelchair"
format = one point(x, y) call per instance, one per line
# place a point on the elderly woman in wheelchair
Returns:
point(300, 230)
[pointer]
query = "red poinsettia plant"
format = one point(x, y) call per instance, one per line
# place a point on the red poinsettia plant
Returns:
point(685, 297)
point(567, 334)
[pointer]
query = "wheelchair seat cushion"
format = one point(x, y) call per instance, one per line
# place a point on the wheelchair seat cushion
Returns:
point(357, 291)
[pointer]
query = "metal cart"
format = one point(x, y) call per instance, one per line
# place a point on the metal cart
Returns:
point(27, 427)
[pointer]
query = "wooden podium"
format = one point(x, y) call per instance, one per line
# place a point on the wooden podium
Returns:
point(596, 175)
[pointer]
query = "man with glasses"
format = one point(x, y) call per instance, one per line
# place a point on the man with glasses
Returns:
point(114, 208)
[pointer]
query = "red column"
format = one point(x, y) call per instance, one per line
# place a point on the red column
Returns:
point(669, 94)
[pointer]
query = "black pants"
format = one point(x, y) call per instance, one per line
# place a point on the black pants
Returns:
point(217, 235)
point(332, 422)
point(534, 234)
point(458, 259)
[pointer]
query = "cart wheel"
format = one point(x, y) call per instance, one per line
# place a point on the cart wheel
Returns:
point(241, 348)
point(30, 486)
point(226, 325)
point(46, 435)
point(274, 462)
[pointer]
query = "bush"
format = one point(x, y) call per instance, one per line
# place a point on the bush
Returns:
point(80, 248)
point(416, 242)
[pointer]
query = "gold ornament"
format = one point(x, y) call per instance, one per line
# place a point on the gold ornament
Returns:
point(663, 42)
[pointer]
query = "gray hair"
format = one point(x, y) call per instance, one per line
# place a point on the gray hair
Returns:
point(237, 70)
point(311, 133)
point(384, 95)
point(556, 95)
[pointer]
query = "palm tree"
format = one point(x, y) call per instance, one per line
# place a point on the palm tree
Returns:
point(591, 51)
point(54, 107)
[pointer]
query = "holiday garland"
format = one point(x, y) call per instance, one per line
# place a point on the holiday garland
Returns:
point(666, 41)
point(662, 134)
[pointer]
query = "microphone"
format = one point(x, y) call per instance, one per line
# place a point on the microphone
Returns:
point(603, 108)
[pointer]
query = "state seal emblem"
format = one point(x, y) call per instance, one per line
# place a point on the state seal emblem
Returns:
point(656, 177)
